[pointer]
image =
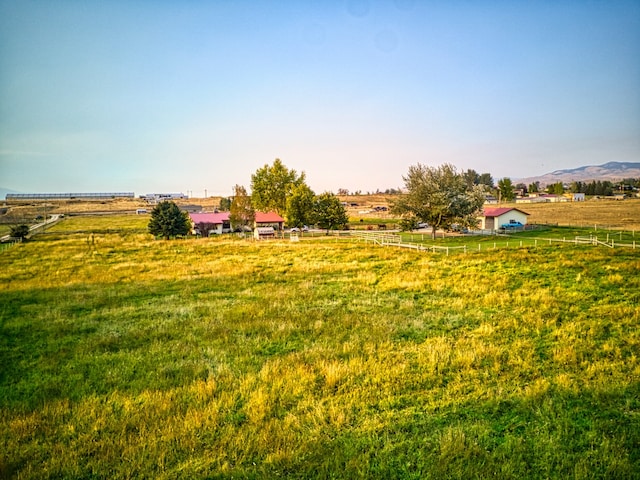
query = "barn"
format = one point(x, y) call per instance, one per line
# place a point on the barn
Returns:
point(494, 218)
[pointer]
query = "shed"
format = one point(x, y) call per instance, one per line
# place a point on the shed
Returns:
point(264, 232)
point(269, 219)
point(494, 218)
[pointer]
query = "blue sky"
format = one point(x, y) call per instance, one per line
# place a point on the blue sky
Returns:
point(157, 96)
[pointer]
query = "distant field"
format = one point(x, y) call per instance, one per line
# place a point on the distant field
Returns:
point(125, 357)
point(605, 213)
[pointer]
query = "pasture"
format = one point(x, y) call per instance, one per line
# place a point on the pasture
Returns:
point(123, 357)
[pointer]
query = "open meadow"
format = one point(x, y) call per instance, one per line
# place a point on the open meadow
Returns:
point(126, 357)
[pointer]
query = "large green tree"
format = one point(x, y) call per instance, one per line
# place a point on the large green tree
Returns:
point(241, 212)
point(271, 185)
point(300, 205)
point(329, 213)
point(439, 196)
point(168, 221)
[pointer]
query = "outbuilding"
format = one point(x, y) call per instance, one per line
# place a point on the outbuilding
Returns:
point(495, 218)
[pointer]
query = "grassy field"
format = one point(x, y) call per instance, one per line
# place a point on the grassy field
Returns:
point(125, 357)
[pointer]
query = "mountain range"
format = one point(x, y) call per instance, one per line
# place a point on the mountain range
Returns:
point(612, 171)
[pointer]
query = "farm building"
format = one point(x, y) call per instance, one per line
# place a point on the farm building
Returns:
point(270, 219)
point(261, 233)
point(206, 224)
point(494, 218)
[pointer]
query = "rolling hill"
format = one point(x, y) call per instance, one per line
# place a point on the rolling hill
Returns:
point(612, 171)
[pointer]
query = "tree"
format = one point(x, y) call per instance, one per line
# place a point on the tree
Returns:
point(329, 212)
point(471, 177)
point(557, 188)
point(225, 204)
point(505, 187)
point(408, 224)
point(486, 179)
point(241, 211)
point(534, 187)
point(300, 205)
point(19, 231)
point(272, 185)
point(167, 220)
point(440, 197)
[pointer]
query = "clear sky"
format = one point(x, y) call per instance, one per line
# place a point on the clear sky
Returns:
point(183, 96)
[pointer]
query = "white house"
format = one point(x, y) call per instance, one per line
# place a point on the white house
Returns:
point(577, 197)
point(494, 218)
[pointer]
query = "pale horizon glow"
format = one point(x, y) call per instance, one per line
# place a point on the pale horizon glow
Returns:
point(188, 96)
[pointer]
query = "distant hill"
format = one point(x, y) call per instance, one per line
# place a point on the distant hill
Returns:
point(612, 171)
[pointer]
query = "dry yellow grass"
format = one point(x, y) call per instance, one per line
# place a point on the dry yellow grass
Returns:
point(623, 214)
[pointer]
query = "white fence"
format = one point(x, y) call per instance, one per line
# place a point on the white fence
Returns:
point(503, 241)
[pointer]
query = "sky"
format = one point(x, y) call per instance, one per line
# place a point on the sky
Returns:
point(194, 96)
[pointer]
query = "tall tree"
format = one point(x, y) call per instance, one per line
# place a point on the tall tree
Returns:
point(329, 213)
point(534, 187)
point(486, 179)
point(241, 211)
point(505, 187)
point(300, 205)
point(225, 204)
point(271, 185)
point(440, 197)
point(471, 177)
point(168, 221)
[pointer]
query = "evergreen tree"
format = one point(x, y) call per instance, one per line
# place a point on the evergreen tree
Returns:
point(19, 231)
point(168, 221)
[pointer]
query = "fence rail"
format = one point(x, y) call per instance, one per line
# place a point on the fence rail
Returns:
point(394, 240)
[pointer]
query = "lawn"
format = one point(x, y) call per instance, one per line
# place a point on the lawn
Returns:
point(126, 357)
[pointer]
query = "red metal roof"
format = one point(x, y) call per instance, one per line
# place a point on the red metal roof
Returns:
point(270, 217)
point(214, 218)
point(496, 212)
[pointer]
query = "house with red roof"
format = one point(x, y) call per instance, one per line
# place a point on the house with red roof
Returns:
point(495, 218)
point(206, 224)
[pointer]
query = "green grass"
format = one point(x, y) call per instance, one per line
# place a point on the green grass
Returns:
point(125, 357)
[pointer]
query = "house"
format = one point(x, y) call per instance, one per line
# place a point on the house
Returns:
point(269, 219)
point(494, 218)
point(577, 197)
point(207, 224)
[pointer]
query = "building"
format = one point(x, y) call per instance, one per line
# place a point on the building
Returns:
point(495, 218)
point(269, 219)
point(207, 224)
